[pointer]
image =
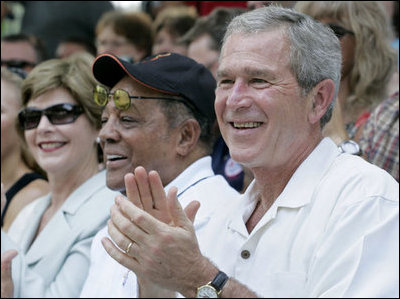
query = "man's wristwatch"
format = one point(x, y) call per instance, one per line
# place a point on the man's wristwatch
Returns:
point(350, 147)
point(213, 289)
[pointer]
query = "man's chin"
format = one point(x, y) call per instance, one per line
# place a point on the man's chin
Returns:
point(116, 187)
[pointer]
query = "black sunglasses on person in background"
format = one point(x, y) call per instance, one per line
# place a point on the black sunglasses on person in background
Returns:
point(339, 30)
point(122, 99)
point(60, 114)
point(17, 63)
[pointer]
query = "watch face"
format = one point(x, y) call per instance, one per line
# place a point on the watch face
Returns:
point(206, 291)
point(350, 147)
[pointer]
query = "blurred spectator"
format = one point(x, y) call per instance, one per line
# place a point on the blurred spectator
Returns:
point(204, 42)
point(153, 8)
point(11, 16)
point(5, 10)
point(71, 45)
point(258, 4)
point(204, 39)
point(128, 35)
point(203, 8)
point(22, 51)
point(23, 179)
point(368, 60)
point(392, 9)
point(60, 124)
point(206, 7)
point(171, 24)
point(380, 136)
point(52, 21)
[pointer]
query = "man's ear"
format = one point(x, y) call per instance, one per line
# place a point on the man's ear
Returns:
point(322, 96)
point(189, 134)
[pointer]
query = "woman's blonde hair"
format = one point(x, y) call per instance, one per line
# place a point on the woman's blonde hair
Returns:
point(374, 58)
point(72, 73)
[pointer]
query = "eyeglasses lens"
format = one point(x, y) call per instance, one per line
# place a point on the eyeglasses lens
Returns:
point(121, 99)
point(100, 96)
point(30, 119)
point(61, 114)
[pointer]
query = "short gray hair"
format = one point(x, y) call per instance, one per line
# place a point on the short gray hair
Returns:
point(177, 112)
point(315, 52)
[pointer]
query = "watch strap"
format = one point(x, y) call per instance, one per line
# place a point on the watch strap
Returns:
point(219, 281)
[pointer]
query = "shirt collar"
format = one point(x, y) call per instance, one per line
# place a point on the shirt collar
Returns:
point(196, 171)
point(297, 193)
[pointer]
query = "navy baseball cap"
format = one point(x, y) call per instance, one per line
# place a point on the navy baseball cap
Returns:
point(168, 73)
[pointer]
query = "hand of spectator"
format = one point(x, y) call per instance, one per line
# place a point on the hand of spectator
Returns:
point(140, 189)
point(146, 191)
point(7, 285)
point(154, 250)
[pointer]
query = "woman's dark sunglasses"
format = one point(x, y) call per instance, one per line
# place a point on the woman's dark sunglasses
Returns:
point(60, 114)
point(339, 30)
point(122, 99)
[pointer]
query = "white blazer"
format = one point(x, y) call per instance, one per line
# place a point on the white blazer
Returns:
point(56, 263)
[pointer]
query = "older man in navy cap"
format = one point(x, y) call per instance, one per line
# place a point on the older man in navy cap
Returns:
point(158, 115)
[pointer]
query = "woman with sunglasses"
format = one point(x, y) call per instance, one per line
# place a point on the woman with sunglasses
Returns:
point(368, 60)
point(23, 179)
point(60, 124)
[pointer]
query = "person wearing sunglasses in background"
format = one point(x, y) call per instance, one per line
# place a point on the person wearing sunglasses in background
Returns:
point(22, 51)
point(158, 116)
point(60, 124)
point(368, 67)
point(23, 179)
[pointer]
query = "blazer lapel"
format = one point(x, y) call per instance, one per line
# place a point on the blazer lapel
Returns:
point(58, 234)
point(35, 217)
point(47, 244)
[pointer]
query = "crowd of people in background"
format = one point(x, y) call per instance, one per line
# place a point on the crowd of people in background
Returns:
point(108, 112)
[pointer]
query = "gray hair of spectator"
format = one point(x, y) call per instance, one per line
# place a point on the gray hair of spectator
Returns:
point(315, 53)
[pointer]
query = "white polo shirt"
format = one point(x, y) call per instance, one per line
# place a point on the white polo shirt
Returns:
point(109, 279)
point(333, 232)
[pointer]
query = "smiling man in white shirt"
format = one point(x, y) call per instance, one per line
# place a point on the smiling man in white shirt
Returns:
point(315, 222)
